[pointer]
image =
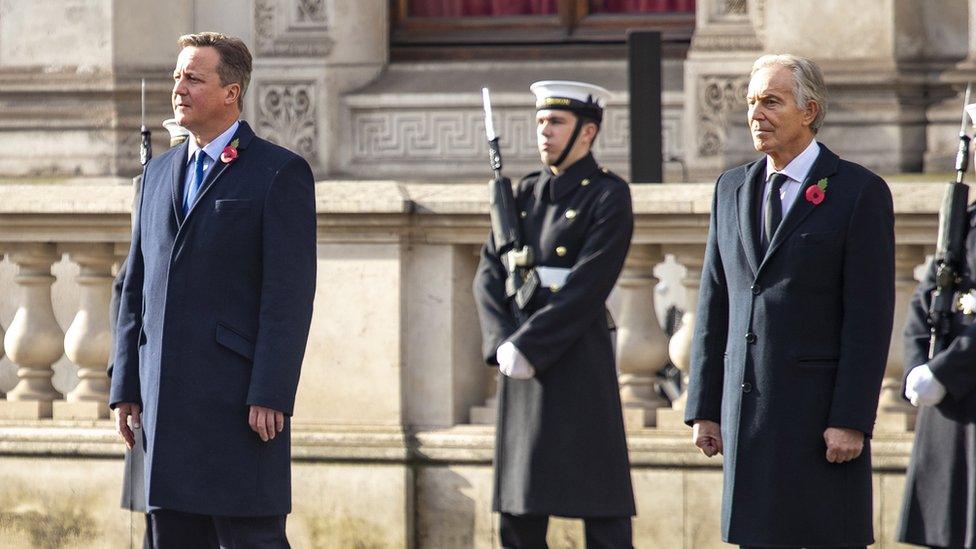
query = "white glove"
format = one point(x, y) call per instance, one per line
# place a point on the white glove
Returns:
point(921, 387)
point(512, 363)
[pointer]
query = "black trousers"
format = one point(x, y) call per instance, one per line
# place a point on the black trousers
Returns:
point(529, 532)
point(178, 530)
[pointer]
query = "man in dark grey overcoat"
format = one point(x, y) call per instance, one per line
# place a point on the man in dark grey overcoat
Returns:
point(560, 447)
point(939, 506)
point(214, 314)
point(794, 322)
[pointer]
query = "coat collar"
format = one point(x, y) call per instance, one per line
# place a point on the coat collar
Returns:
point(747, 206)
point(567, 181)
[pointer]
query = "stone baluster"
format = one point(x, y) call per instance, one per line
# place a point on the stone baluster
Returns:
point(691, 256)
point(642, 346)
point(34, 340)
point(1, 327)
point(87, 340)
point(894, 414)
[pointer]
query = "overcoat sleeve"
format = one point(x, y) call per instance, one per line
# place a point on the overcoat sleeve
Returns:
point(287, 287)
point(128, 327)
point(497, 322)
point(707, 371)
point(549, 331)
point(868, 295)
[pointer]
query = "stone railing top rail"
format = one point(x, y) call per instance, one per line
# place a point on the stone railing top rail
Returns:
point(53, 211)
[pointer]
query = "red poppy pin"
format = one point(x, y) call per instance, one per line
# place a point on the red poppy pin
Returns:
point(817, 193)
point(229, 153)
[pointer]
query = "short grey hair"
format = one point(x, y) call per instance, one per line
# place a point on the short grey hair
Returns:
point(808, 82)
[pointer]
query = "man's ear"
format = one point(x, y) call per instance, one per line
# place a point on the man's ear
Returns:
point(811, 112)
point(588, 132)
point(233, 93)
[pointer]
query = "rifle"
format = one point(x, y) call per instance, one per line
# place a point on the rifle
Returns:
point(145, 148)
point(521, 280)
point(950, 250)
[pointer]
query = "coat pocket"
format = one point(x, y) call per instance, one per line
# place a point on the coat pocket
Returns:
point(231, 339)
point(231, 204)
point(817, 363)
point(813, 239)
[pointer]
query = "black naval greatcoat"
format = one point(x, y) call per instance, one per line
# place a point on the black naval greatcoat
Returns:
point(939, 505)
point(560, 447)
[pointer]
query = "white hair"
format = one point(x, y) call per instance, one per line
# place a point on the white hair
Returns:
point(808, 82)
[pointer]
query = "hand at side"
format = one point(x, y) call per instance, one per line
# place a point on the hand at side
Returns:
point(266, 422)
point(843, 444)
point(123, 411)
point(707, 436)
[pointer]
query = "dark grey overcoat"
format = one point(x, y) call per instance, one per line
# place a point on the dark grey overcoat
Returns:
point(560, 447)
point(939, 505)
point(789, 344)
point(214, 317)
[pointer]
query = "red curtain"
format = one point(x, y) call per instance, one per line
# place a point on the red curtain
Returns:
point(642, 6)
point(469, 8)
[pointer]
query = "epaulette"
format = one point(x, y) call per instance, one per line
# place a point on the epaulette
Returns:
point(612, 175)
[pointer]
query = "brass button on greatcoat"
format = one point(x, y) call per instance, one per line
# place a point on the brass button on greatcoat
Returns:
point(570, 214)
point(554, 288)
point(525, 214)
point(585, 182)
point(560, 250)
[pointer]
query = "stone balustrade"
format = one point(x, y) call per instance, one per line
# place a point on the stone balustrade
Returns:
point(393, 386)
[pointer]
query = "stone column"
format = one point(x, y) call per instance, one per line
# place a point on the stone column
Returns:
point(642, 346)
point(88, 339)
point(894, 414)
point(692, 256)
point(723, 47)
point(955, 24)
point(307, 53)
point(34, 340)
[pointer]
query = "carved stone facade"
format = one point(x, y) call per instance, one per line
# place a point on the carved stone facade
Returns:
point(720, 98)
point(287, 115)
point(292, 28)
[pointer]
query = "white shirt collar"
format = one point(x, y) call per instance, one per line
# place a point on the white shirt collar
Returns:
point(799, 168)
point(215, 147)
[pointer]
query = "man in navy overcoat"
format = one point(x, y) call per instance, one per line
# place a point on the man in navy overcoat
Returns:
point(794, 322)
point(215, 313)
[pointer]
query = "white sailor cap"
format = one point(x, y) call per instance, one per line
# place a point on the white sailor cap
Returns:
point(579, 97)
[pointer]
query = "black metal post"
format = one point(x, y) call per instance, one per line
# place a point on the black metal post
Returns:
point(646, 146)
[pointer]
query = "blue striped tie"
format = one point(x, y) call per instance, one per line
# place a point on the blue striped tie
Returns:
point(193, 189)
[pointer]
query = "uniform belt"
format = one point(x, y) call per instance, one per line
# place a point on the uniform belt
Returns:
point(552, 276)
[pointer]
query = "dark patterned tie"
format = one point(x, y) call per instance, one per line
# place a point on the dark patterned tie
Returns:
point(772, 209)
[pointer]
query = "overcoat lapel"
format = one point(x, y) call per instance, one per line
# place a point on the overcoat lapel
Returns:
point(824, 167)
point(177, 166)
point(748, 215)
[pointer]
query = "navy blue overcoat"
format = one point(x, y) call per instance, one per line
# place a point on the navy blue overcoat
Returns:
point(790, 343)
point(214, 317)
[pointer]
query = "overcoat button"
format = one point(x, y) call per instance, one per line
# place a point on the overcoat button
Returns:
point(756, 289)
point(751, 337)
point(585, 182)
point(561, 251)
point(554, 288)
point(525, 214)
point(570, 214)
point(747, 387)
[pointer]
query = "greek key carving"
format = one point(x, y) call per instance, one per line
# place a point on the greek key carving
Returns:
point(286, 116)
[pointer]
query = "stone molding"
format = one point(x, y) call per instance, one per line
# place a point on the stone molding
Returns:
point(292, 28)
point(464, 444)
